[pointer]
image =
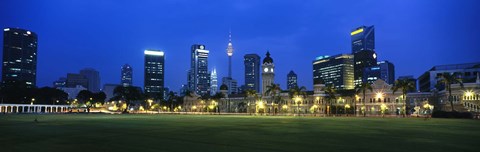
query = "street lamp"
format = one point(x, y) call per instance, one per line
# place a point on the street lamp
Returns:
point(383, 107)
point(379, 95)
point(347, 106)
point(33, 100)
point(468, 94)
point(259, 105)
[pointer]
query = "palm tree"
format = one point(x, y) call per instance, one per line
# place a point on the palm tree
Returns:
point(362, 88)
point(448, 79)
point(273, 90)
point(251, 93)
point(405, 86)
point(171, 96)
point(205, 98)
point(331, 95)
point(297, 92)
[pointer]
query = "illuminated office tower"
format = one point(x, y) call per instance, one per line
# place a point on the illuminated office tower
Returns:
point(154, 78)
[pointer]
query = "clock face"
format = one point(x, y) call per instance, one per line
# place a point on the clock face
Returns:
point(266, 69)
point(271, 70)
point(202, 47)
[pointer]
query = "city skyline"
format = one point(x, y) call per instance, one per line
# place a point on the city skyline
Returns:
point(405, 41)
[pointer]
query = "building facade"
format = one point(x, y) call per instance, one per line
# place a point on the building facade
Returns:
point(384, 70)
point(231, 84)
point(252, 72)
point(108, 89)
point(334, 70)
point(428, 81)
point(126, 78)
point(268, 73)
point(363, 38)
point(74, 79)
point(199, 77)
point(154, 78)
point(291, 80)
point(19, 57)
point(363, 59)
point(93, 77)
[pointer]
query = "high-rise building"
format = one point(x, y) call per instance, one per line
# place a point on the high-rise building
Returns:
point(363, 38)
point(214, 82)
point(291, 80)
point(19, 57)
point(93, 77)
point(363, 59)
point(384, 70)
point(410, 79)
point(199, 78)
point(252, 72)
point(61, 82)
point(428, 81)
point(74, 80)
point(126, 75)
point(268, 75)
point(154, 77)
point(334, 70)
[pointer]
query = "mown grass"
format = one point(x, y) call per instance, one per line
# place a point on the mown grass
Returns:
point(102, 132)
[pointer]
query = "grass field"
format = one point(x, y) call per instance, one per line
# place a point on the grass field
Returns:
point(101, 132)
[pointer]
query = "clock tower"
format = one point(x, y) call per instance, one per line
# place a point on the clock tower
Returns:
point(268, 74)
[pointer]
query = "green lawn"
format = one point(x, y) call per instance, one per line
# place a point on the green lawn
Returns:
point(102, 132)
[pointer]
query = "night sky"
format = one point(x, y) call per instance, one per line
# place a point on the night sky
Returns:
point(105, 34)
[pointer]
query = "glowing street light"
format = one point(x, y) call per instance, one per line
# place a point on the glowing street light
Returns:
point(468, 93)
point(379, 95)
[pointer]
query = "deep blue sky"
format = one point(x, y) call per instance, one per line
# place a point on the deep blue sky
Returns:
point(105, 34)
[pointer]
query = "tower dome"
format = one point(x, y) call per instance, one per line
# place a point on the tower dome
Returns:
point(223, 87)
point(267, 59)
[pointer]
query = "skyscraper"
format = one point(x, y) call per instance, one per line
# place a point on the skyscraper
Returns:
point(74, 80)
point(252, 72)
point(126, 75)
point(93, 77)
point(154, 73)
point(363, 38)
point(214, 82)
point(268, 75)
point(363, 59)
point(335, 70)
point(199, 78)
point(384, 70)
point(19, 57)
point(291, 80)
